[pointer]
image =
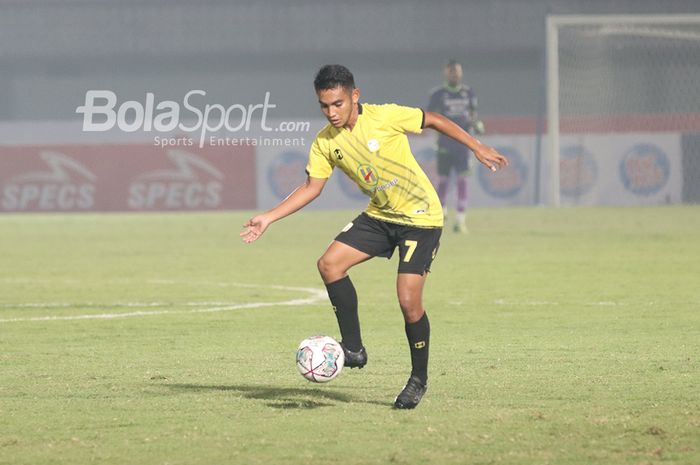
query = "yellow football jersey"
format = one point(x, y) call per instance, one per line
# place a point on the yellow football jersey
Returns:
point(377, 157)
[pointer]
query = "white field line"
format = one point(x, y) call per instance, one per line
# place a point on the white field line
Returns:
point(32, 305)
point(315, 296)
point(534, 303)
point(537, 303)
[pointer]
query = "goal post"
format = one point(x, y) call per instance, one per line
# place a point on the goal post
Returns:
point(618, 73)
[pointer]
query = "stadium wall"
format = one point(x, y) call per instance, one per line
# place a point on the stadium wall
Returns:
point(68, 170)
point(637, 168)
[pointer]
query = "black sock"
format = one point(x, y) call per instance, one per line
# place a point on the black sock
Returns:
point(418, 335)
point(344, 300)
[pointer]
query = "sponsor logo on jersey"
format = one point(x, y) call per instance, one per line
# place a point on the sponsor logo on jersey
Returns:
point(387, 185)
point(373, 145)
point(368, 175)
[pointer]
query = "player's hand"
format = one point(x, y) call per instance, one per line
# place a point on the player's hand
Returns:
point(490, 157)
point(256, 227)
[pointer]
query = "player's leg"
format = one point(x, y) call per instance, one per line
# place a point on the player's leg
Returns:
point(333, 266)
point(443, 169)
point(359, 241)
point(337, 260)
point(417, 252)
point(461, 170)
point(410, 291)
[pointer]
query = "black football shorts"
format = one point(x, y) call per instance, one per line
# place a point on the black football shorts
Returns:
point(417, 246)
point(448, 161)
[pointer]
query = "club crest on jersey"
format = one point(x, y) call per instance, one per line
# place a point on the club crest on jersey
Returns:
point(337, 154)
point(368, 174)
point(373, 145)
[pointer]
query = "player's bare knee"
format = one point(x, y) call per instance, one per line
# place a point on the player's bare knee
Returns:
point(322, 265)
point(411, 315)
point(327, 268)
point(410, 304)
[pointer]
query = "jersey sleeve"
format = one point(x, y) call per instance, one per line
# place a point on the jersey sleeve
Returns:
point(404, 119)
point(319, 165)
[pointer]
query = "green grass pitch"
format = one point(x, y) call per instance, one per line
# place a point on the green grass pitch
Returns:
point(559, 336)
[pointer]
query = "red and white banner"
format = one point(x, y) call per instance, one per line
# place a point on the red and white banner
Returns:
point(55, 166)
point(126, 177)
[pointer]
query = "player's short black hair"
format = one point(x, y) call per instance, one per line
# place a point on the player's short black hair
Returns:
point(332, 76)
point(451, 63)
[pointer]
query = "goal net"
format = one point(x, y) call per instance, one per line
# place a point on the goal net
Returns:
point(623, 110)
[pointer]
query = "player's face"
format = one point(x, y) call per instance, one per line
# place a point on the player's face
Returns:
point(339, 105)
point(453, 74)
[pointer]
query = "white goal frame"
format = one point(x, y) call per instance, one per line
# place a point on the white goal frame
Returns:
point(554, 22)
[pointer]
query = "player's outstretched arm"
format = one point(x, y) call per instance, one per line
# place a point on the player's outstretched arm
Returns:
point(485, 154)
point(302, 196)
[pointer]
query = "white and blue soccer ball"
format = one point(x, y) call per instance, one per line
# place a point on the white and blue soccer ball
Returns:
point(320, 358)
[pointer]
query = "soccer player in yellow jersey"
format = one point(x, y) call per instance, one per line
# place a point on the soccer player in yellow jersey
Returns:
point(369, 144)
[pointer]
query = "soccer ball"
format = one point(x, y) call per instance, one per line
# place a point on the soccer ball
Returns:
point(320, 358)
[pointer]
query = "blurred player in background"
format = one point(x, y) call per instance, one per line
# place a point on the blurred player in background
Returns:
point(368, 143)
point(457, 102)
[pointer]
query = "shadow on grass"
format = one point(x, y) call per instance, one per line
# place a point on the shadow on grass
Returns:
point(275, 397)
